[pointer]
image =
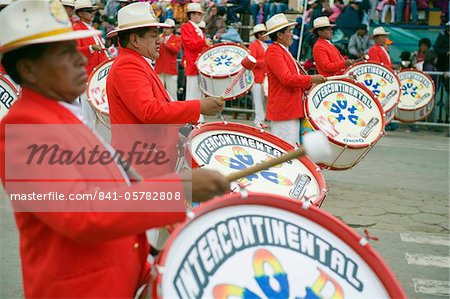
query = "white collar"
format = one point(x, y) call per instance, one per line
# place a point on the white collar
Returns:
point(75, 108)
point(149, 61)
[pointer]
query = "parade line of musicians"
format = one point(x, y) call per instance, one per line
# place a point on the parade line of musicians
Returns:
point(51, 54)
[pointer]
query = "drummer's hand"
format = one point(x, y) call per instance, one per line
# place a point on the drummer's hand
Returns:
point(209, 41)
point(97, 47)
point(349, 62)
point(211, 106)
point(317, 79)
point(205, 184)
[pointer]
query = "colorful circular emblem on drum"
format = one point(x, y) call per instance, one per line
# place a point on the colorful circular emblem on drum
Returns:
point(8, 94)
point(265, 246)
point(222, 60)
point(96, 88)
point(225, 149)
point(346, 112)
point(380, 80)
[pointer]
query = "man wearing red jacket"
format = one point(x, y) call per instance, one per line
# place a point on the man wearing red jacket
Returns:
point(70, 252)
point(135, 92)
point(166, 65)
point(378, 51)
point(93, 48)
point(328, 59)
point(194, 42)
point(287, 81)
point(258, 49)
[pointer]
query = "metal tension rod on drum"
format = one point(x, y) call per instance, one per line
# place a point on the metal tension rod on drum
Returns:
point(315, 145)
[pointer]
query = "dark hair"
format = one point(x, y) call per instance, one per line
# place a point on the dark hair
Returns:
point(10, 59)
point(316, 30)
point(258, 34)
point(273, 36)
point(425, 41)
point(124, 36)
point(405, 56)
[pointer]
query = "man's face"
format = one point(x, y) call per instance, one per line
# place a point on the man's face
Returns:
point(362, 32)
point(286, 38)
point(87, 16)
point(69, 10)
point(213, 11)
point(168, 31)
point(196, 17)
point(423, 47)
point(326, 33)
point(148, 45)
point(380, 40)
point(59, 73)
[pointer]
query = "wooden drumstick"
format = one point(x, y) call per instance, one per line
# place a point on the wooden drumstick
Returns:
point(349, 76)
point(248, 63)
point(365, 57)
point(315, 145)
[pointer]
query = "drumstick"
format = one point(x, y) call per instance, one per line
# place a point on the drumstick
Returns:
point(315, 145)
point(365, 57)
point(248, 63)
point(349, 75)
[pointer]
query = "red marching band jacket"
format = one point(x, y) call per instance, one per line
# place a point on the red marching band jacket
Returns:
point(376, 53)
point(193, 44)
point(94, 58)
point(328, 59)
point(286, 86)
point(74, 254)
point(257, 51)
point(167, 61)
point(137, 96)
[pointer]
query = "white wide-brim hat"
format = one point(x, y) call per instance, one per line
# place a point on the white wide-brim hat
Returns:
point(5, 2)
point(322, 22)
point(136, 15)
point(277, 22)
point(80, 4)
point(259, 28)
point(194, 7)
point(170, 22)
point(26, 22)
point(70, 3)
point(379, 31)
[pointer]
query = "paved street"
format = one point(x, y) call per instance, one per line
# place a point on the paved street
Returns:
point(399, 192)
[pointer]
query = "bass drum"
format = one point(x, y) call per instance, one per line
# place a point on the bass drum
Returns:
point(267, 246)
point(9, 92)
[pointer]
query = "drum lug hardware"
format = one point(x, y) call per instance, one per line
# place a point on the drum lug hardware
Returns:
point(190, 214)
point(243, 193)
point(225, 121)
point(306, 205)
point(363, 242)
point(318, 169)
point(159, 269)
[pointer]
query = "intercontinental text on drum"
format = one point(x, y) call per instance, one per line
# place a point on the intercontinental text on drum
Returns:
point(141, 153)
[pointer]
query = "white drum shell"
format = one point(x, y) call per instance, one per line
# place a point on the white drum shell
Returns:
point(214, 87)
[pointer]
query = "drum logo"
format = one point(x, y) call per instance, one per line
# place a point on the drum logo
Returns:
point(341, 111)
point(300, 185)
point(410, 88)
point(248, 237)
point(375, 70)
point(5, 97)
point(340, 88)
point(241, 159)
point(375, 86)
point(370, 125)
point(103, 73)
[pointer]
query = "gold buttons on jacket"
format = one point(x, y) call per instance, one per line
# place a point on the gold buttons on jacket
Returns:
point(136, 245)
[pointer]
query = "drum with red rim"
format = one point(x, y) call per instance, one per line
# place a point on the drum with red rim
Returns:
point(218, 65)
point(417, 96)
point(349, 114)
point(230, 147)
point(9, 92)
point(267, 246)
point(98, 99)
point(381, 81)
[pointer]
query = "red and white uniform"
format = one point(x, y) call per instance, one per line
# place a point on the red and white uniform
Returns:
point(94, 57)
point(257, 50)
point(380, 54)
point(287, 84)
point(328, 59)
point(166, 66)
point(137, 96)
point(69, 254)
point(194, 42)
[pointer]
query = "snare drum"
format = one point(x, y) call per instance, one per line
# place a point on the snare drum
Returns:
point(230, 147)
point(381, 81)
point(417, 96)
point(97, 98)
point(218, 65)
point(349, 114)
point(266, 246)
point(9, 92)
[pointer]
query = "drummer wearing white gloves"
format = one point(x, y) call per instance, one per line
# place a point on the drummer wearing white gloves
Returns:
point(287, 81)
